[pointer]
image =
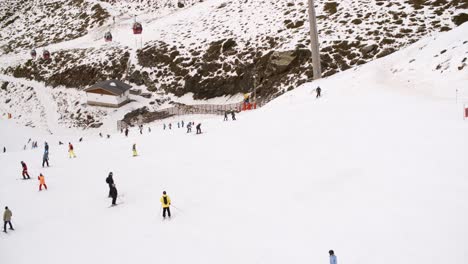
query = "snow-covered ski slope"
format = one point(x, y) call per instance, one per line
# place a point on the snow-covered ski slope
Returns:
point(376, 170)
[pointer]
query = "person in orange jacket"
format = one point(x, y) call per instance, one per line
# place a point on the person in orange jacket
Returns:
point(70, 150)
point(41, 182)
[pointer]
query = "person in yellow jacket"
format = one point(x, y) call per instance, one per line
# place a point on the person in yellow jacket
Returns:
point(41, 179)
point(70, 150)
point(166, 202)
point(134, 150)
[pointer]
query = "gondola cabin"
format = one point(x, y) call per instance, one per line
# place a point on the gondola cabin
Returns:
point(108, 37)
point(46, 55)
point(111, 93)
point(137, 28)
point(33, 54)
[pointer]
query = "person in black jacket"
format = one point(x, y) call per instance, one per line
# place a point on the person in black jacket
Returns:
point(110, 182)
point(199, 128)
point(318, 91)
point(113, 194)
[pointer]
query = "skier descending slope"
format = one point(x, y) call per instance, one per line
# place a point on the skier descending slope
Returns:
point(41, 179)
point(166, 202)
point(189, 128)
point(319, 92)
point(25, 170)
point(113, 194)
point(134, 150)
point(110, 182)
point(199, 128)
point(71, 153)
point(45, 159)
point(7, 219)
point(332, 257)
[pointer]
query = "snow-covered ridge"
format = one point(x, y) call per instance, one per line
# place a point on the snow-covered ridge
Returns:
point(220, 48)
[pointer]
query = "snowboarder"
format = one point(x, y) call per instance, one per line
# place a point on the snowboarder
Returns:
point(71, 153)
point(126, 132)
point(166, 202)
point(225, 116)
point(25, 171)
point(113, 194)
point(45, 159)
point(110, 182)
point(233, 114)
point(318, 91)
point(332, 257)
point(7, 219)
point(41, 179)
point(134, 150)
point(189, 127)
point(199, 128)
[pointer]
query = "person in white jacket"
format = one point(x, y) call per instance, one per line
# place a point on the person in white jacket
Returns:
point(332, 257)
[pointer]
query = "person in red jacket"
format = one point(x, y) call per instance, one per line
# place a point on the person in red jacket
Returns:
point(41, 182)
point(25, 170)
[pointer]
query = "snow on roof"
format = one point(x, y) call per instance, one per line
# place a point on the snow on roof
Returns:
point(114, 86)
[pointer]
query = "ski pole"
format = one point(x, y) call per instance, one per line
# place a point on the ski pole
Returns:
point(177, 208)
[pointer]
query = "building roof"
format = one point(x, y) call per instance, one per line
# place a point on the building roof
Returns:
point(114, 86)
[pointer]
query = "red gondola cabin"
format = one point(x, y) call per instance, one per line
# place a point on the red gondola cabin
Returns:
point(46, 55)
point(137, 28)
point(108, 37)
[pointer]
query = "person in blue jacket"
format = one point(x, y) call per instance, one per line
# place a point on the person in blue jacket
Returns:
point(332, 257)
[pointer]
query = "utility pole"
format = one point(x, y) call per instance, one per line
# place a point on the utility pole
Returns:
point(314, 42)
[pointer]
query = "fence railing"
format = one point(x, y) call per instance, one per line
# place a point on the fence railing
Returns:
point(200, 109)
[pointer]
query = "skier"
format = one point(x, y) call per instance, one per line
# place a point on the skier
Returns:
point(41, 182)
point(108, 136)
point(319, 92)
point(113, 194)
point(46, 147)
point(4, 149)
point(126, 132)
point(170, 126)
point(134, 150)
point(81, 139)
point(199, 128)
point(60, 143)
point(149, 129)
point(332, 257)
point(189, 127)
point(7, 219)
point(233, 114)
point(110, 182)
point(225, 116)
point(166, 202)
point(71, 153)
point(182, 123)
point(141, 129)
point(45, 159)
point(25, 170)
point(178, 125)
point(100, 134)
point(164, 126)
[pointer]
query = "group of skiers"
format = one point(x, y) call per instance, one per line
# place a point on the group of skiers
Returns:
point(233, 116)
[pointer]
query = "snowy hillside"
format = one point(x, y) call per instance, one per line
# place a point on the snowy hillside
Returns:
point(204, 49)
point(375, 170)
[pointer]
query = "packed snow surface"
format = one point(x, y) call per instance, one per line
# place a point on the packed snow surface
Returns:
point(375, 169)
